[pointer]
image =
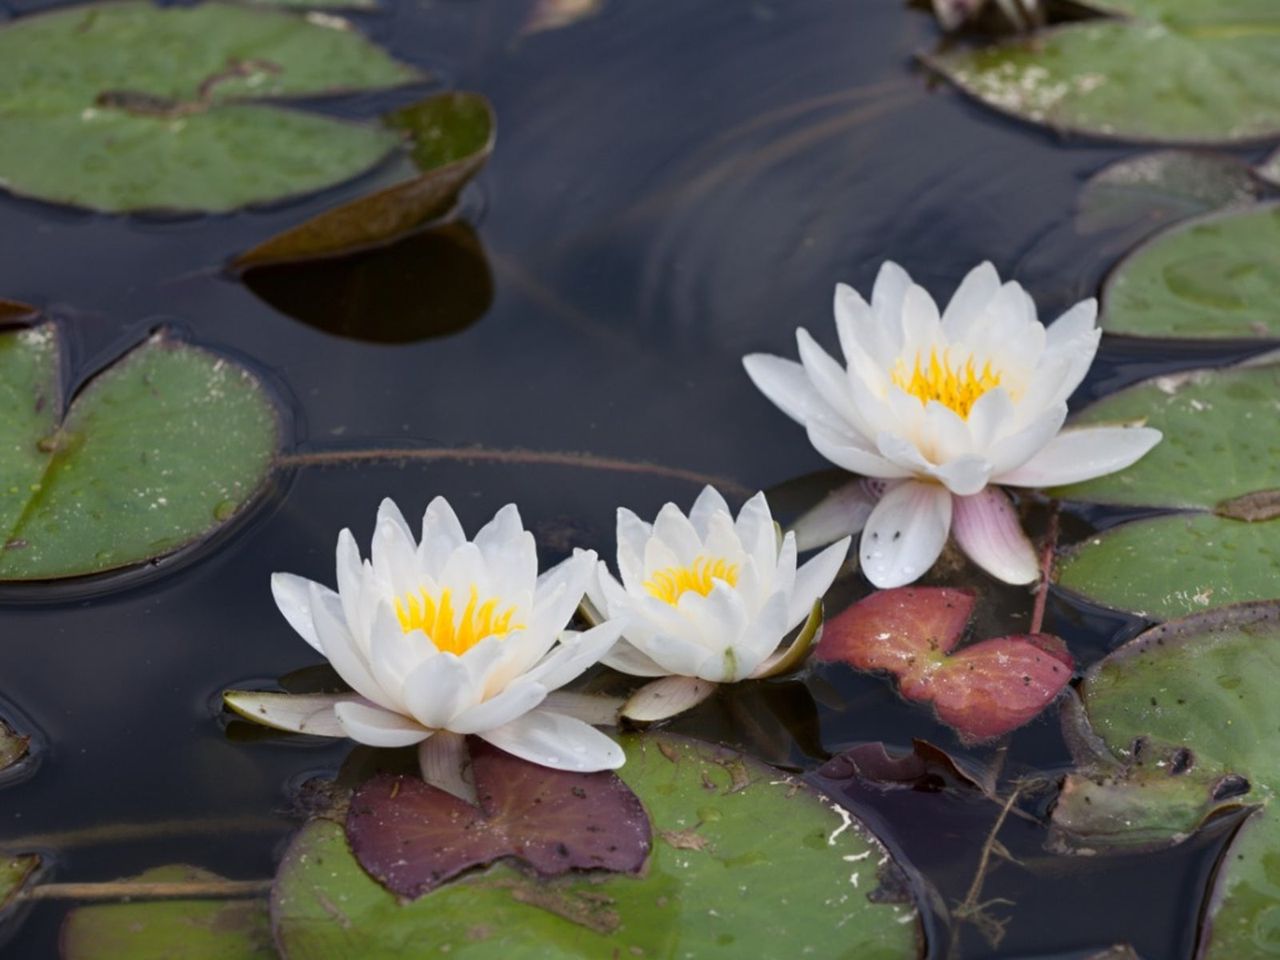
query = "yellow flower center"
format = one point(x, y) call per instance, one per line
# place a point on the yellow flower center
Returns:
point(957, 387)
point(449, 630)
point(670, 584)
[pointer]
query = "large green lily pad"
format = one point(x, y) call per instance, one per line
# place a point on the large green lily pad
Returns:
point(193, 929)
point(130, 106)
point(1173, 72)
point(1195, 699)
point(745, 861)
point(1217, 460)
point(159, 450)
point(1217, 278)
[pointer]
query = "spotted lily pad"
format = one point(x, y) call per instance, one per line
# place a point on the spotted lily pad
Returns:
point(132, 106)
point(982, 691)
point(413, 837)
point(1193, 702)
point(190, 928)
point(157, 451)
point(744, 860)
point(1170, 72)
point(451, 134)
point(1217, 278)
point(1217, 460)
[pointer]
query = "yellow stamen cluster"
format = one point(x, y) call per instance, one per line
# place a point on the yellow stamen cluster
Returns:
point(957, 387)
point(450, 632)
point(670, 584)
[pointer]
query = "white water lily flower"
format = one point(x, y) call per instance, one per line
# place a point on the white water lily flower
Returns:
point(947, 408)
point(445, 637)
point(707, 599)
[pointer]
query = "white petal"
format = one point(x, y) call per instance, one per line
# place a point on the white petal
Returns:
point(989, 418)
point(970, 300)
point(888, 293)
point(666, 697)
point(986, 528)
point(445, 763)
point(441, 535)
point(813, 580)
point(905, 533)
point(673, 528)
point(298, 713)
point(1015, 450)
point(626, 658)
point(843, 450)
point(516, 700)
point(587, 707)
point(633, 535)
point(293, 596)
point(755, 529)
point(377, 727)
point(827, 376)
point(785, 383)
point(354, 584)
point(709, 504)
point(438, 689)
point(464, 571)
point(674, 653)
point(756, 644)
point(720, 617)
point(1082, 454)
point(575, 654)
point(394, 552)
point(393, 654)
point(556, 741)
point(1077, 322)
point(509, 552)
point(921, 325)
point(964, 475)
point(340, 648)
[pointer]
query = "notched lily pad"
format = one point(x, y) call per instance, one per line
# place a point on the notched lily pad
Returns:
point(1159, 76)
point(157, 451)
point(982, 691)
point(451, 136)
point(193, 929)
point(1195, 698)
point(745, 860)
point(132, 106)
point(413, 837)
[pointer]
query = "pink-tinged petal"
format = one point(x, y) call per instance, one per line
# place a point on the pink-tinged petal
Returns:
point(340, 649)
point(785, 383)
point(709, 504)
point(1083, 454)
point(666, 698)
point(438, 689)
point(970, 300)
point(813, 580)
point(891, 629)
point(445, 763)
point(576, 653)
point(599, 711)
point(376, 727)
point(627, 658)
point(840, 513)
point(554, 740)
point(905, 533)
point(296, 713)
point(842, 449)
point(1015, 450)
point(293, 597)
point(513, 702)
point(986, 528)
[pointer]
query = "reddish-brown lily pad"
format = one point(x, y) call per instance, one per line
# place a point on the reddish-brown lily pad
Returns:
point(413, 837)
point(983, 691)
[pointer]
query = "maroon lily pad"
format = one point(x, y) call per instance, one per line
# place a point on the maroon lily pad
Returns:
point(982, 691)
point(412, 837)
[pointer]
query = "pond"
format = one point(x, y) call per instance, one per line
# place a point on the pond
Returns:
point(673, 186)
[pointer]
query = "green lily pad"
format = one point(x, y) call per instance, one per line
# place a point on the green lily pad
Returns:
point(158, 451)
point(1204, 686)
point(16, 872)
point(129, 106)
point(1175, 73)
point(194, 929)
point(1270, 168)
point(1217, 278)
point(1158, 188)
point(451, 135)
point(13, 746)
point(745, 860)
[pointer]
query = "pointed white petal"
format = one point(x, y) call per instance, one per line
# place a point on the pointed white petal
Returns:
point(673, 528)
point(675, 654)
point(445, 763)
point(1015, 450)
point(986, 528)
point(441, 534)
point(970, 300)
point(293, 596)
point(666, 697)
point(556, 741)
point(844, 450)
point(813, 580)
point(785, 383)
point(757, 533)
point(438, 689)
point(297, 713)
point(708, 504)
point(827, 376)
point(888, 293)
point(377, 727)
point(575, 654)
point(516, 700)
point(626, 658)
point(633, 536)
point(1082, 454)
point(964, 475)
point(394, 552)
point(921, 325)
point(354, 582)
point(905, 533)
point(340, 649)
point(1077, 322)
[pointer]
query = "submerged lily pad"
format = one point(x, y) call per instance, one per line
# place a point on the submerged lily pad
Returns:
point(193, 929)
point(1217, 278)
point(157, 451)
point(982, 691)
point(1195, 699)
point(131, 106)
point(13, 746)
point(745, 860)
point(414, 837)
point(16, 872)
point(451, 135)
point(1174, 72)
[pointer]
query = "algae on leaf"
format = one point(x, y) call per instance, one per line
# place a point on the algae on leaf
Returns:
point(132, 106)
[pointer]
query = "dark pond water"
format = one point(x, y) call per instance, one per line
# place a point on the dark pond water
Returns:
point(675, 185)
